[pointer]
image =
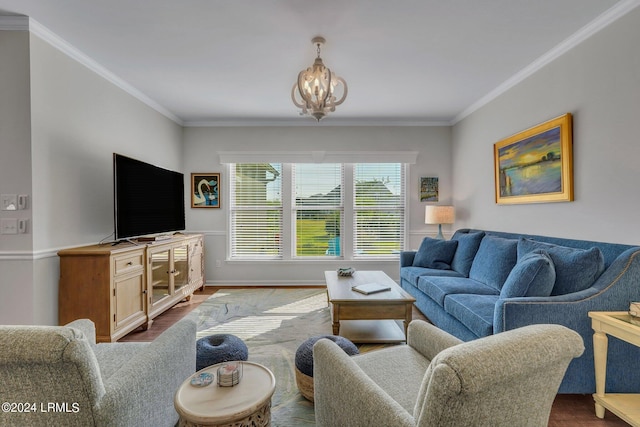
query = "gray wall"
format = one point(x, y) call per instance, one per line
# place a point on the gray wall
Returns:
point(16, 267)
point(599, 83)
point(64, 161)
point(201, 148)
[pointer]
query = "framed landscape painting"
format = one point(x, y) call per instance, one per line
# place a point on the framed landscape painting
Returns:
point(536, 165)
point(429, 189)
point(205, 190)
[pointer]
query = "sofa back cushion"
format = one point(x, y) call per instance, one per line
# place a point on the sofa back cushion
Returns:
point(435, 253)
point(468, 244)
point(576, 269)
point(533, 276)
point(493, 262)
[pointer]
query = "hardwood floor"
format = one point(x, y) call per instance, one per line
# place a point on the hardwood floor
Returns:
point(569, 410)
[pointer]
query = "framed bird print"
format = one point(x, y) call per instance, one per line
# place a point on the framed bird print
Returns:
point(205, 190)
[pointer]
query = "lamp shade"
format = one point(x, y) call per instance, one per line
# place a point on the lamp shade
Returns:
point(439, 215)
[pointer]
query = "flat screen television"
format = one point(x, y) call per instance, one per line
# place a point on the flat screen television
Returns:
point(148, 200)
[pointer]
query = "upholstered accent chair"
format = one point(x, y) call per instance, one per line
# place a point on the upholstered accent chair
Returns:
point(58, 375)
point(508, 379)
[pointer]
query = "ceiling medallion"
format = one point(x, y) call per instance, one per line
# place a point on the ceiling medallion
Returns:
point(315, 90)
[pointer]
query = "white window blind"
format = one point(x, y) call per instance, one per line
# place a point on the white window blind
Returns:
point(378, 205)
point(256, 210)
point(317, 208)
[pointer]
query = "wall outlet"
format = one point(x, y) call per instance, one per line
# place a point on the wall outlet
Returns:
point(218, 263)
point(23, 200)
point(8, 226)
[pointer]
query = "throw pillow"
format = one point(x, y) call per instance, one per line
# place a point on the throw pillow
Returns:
point(468, 244)
point(533, 276)
point(495, 258)
point(435, 253)
point(576, 269)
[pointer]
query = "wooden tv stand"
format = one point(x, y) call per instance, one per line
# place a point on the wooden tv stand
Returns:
point(125, 286)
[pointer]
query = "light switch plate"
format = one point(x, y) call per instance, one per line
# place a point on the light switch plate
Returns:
point(9, 226)
point(8, 202)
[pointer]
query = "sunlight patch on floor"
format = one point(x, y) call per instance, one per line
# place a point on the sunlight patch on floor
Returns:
point(306, 305)
point(247, 327)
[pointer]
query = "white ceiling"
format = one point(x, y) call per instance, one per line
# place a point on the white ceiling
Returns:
point(235, 61)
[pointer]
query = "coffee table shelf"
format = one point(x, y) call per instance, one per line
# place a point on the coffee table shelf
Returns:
point(373, 331)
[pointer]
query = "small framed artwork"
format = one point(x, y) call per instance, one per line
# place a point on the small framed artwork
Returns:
point(536, 165)
point(205, 190)
point(429, 189)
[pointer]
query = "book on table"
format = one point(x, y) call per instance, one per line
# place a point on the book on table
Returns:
point(370, 288)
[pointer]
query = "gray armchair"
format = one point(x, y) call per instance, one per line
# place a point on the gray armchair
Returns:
point(508, 379)
point(58, 375)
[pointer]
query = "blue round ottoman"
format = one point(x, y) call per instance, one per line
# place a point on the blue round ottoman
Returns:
point(219, 348)
point(304, 361)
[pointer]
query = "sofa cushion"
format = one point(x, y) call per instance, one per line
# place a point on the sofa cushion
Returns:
point(468, 244)
point(403, 386)
point(533, 276)
point(495, 258)
point(576, 269)
point(412, 274)
point(435, 253)
point(437, 288)
point(473, 311)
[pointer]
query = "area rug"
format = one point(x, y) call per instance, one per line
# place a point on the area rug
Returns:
point(273, 323)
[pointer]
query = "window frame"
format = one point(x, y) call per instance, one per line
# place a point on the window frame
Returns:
point(348, 220)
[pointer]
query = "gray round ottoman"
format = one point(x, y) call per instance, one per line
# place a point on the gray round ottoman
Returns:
point(304, 361)
point(219, 348)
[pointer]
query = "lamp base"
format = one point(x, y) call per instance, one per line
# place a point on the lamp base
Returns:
point(440, 236)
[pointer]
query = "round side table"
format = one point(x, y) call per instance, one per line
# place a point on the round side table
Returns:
point(245, 404)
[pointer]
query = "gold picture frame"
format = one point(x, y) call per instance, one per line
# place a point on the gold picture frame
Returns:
point(536, 165)
point(205, 190)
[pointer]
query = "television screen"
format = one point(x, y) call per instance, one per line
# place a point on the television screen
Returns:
point(147, 199)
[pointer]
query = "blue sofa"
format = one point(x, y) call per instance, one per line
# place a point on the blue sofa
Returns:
point(484, 282)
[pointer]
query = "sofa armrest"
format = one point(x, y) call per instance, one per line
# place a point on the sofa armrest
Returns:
point(87, 327)
point(406, 258)
point(428, 340)
point(612, 291)
point(345, 395)
point(146, 385)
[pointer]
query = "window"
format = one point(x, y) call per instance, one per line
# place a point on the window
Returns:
point(256, 210)
point(317, 210)
point(378, 219)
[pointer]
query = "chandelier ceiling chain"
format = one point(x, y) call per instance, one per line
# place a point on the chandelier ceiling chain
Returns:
point(315, 91)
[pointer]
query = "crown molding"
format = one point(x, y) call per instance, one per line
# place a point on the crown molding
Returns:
point(24, 23)
point(606, 18)
point(329, 122)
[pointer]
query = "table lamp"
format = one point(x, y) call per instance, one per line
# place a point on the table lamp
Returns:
point(439, 215)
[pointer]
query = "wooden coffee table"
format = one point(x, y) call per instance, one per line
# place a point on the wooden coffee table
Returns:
point(368, 318)
point(245, 404)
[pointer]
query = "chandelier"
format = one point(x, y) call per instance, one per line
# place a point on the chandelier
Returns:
point(314, 92)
